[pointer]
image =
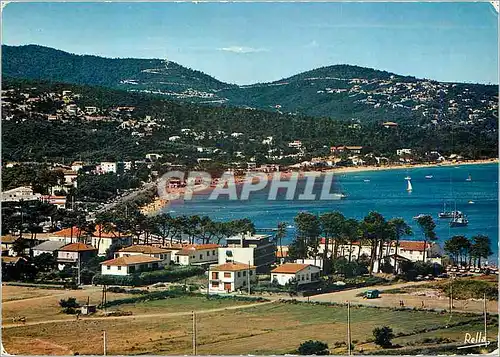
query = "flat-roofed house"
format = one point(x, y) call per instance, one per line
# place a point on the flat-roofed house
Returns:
point(229, 277)
point(147, 250)
point(129, 265)
point(256, 249)
point(301, 273)
point(50, 247)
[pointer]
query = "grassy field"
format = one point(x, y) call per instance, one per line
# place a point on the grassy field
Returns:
point(276, 328)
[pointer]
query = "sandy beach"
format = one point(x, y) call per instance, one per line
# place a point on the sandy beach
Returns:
point(399, 167)
point(156, 206)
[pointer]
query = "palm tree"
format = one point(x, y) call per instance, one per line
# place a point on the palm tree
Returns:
point(427, 225)
point(401, 229)
point(280, 234)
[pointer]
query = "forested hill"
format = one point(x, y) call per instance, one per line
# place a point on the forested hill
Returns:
point(340, 92)
point(38, 62)
point(40, 122)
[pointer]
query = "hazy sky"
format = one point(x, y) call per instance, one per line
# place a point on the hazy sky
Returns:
point(257, 42)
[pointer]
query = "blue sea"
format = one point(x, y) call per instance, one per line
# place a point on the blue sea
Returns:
point(382, 191)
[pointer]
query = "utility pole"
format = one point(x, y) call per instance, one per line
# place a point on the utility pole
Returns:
point(248, 278)
point(348, 328)
point(484, 308)
point(104, 341)
point(208, 285)
point(194, 334)
point(79, 278)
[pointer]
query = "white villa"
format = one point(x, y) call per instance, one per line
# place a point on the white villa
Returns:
point(302, 273)
point(146, 250)
point(129, 265)
point(229, 277)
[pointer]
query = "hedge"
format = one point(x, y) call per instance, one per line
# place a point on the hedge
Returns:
point(149, 277)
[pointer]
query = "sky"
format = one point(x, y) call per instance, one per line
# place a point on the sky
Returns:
point(245, 43)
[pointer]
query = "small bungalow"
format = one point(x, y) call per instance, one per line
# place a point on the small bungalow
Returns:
point(301, 273)
point(129, 265)
point(229, 277)
point(147, 250)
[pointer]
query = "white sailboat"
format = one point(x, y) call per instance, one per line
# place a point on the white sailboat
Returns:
point(409, 188)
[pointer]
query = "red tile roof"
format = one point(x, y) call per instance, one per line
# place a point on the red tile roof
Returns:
point(131, 260)
point(77, 247)
point(187, 249)
point(235, 266)
point(145, 249)
point(290, 268)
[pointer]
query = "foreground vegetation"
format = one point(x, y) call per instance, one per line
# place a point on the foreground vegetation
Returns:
point(251, 330)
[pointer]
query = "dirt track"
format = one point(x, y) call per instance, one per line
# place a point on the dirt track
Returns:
point(142, 316)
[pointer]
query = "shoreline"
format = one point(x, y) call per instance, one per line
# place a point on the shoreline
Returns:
point(402, 167)
point(158, 204)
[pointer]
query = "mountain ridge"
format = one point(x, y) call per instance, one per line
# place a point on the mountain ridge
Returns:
point(339, 91)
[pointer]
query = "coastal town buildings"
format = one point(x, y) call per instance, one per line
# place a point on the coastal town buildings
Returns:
point(229, 277)
point(18, 194)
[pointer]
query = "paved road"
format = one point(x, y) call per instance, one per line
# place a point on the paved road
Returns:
point(128, 197)
point(142, 316)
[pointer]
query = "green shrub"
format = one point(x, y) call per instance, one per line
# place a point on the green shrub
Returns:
point(383, 336)
point(69, 303)
point(313, 348)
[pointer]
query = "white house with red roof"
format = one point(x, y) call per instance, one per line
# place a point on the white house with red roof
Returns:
point(196, 254)
point(127, 265)
point(229, 277)
point(301, 273)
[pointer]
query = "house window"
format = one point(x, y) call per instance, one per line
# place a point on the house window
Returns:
point(251, 273)
point(119, 267)
point(201, 256)
point(213, 252)
point(215, 284)
point(227, 275)
point(244, 273)
point(302, 277)
point(208, 253)
point(131, 269)
point(109, 267)
point(215, 275)
point(229, 253)
point(239, 274)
